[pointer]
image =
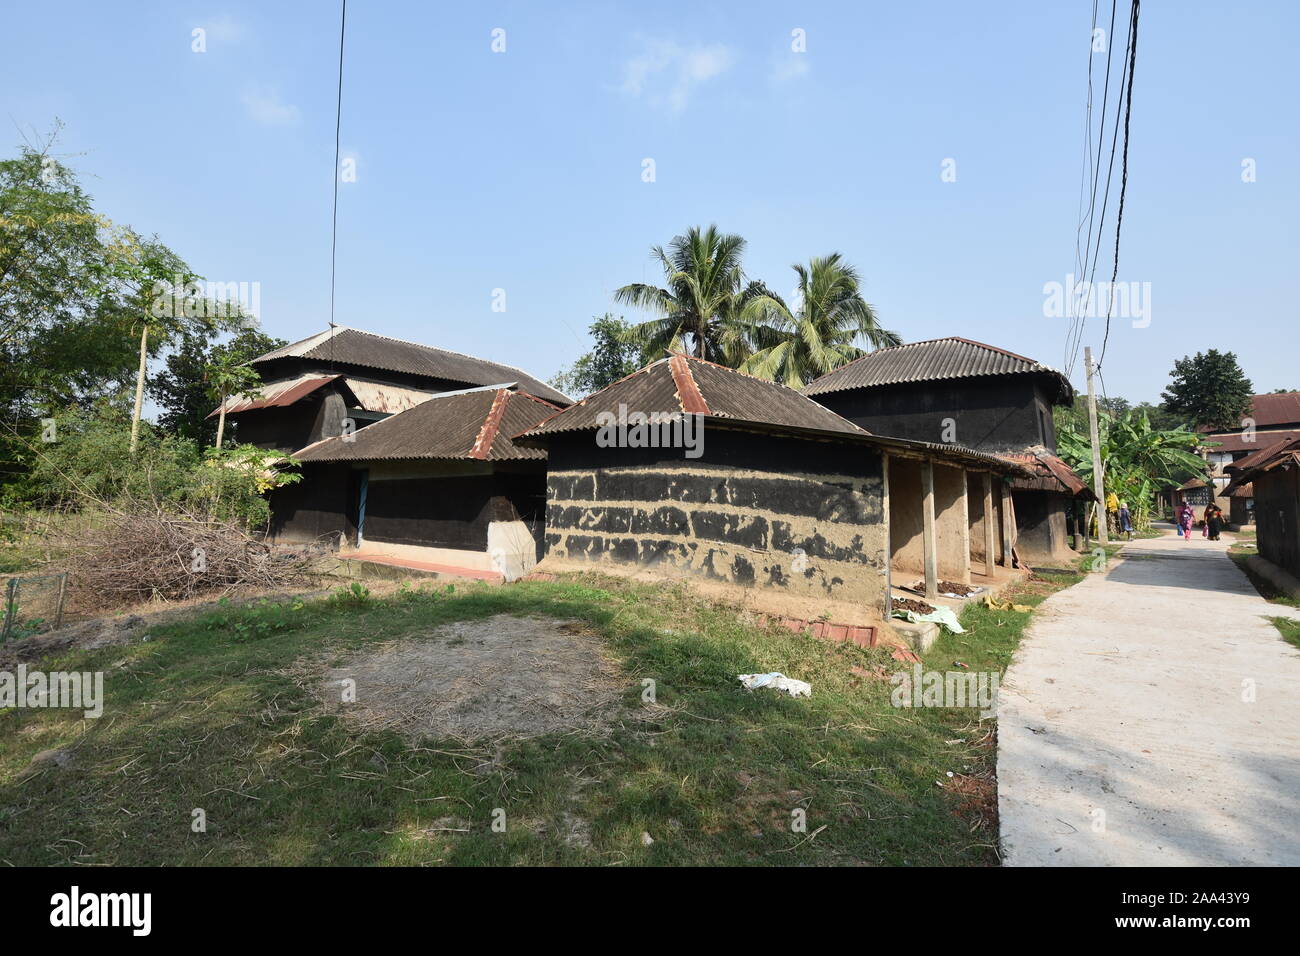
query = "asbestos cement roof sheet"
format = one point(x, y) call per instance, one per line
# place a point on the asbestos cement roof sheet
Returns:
point(931, 361)
point(472, 425)
point(369, 350)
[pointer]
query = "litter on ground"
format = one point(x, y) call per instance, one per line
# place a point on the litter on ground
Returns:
point(795, 688)
point(943, 616)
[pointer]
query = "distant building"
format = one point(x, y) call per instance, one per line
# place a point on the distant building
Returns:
point(1272, 418)
point(955, 391)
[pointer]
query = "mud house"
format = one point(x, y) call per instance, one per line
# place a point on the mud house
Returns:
point(955, 391)
point(689, 470)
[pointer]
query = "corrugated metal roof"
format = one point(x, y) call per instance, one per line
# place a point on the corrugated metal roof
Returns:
point(382, 397)
point(1280, 409)
point(275, 394)
point(467, 425)
point(1051, 473)
point(1246, 441)
point(1267, 411)
point(1266, 459)
point(934, 360)
point(367, 349)
point(734, 397)
point(1266, 445)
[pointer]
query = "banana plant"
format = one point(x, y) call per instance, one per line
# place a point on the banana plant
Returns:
point(1137, 461)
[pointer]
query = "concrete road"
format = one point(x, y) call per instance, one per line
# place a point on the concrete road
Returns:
point(1152, 717)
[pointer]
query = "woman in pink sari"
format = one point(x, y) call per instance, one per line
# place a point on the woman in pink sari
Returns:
point(1185, 517)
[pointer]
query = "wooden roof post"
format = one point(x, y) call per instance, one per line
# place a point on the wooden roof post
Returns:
point(990, 558)
point(1008, 523)
point(927, 537)
point(889, 542)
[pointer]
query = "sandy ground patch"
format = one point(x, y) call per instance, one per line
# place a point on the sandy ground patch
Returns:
point(505, 676)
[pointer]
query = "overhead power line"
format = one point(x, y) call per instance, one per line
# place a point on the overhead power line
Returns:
point(1123, 183)
point(334, 219)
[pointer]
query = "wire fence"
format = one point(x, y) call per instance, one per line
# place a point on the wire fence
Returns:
point(33, 603)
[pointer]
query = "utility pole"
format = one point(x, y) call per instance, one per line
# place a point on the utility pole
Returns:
point(1098, 486)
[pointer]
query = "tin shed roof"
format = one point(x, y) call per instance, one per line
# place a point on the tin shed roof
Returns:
point(1279, 454)
point(275, 394)
point(1051, 473)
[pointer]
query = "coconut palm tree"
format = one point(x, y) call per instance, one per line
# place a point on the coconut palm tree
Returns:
point(795, 346)
point(699, 309)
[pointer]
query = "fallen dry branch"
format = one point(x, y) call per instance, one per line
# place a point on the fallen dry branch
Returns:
point(142, 552)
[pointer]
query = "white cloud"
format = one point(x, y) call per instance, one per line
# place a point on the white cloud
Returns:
point(666, 73)
point(789, 66)
point(266, 108)
point(223, 28)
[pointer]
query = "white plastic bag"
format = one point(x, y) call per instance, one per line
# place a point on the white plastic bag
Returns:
point(795, 688)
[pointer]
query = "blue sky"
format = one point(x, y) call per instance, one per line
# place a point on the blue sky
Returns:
point(522, 170)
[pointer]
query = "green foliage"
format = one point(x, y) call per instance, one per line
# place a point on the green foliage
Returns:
point(183, 386)
point(709, 308)
point(256, 622)
point(612, 357)
point(1209, 389)
point(1138, 460)
point(89, 462)
point(75, 292)
point(61, 333)
point(355, 594)
point(699, 309)
point(796, 346)
point(1076, 416)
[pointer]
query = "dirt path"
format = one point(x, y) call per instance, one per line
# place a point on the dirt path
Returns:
point(1124, 738)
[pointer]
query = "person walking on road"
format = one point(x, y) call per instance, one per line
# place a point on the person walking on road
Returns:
point(1185, 517)
point(1213, 521)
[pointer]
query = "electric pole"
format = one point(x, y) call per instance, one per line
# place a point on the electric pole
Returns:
point(1098, 486)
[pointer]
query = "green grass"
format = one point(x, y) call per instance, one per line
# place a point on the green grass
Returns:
point(1244, 542)
point(208, 714)
point(1289, 629)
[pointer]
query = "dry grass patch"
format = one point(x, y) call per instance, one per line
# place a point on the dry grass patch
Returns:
point(502, 677)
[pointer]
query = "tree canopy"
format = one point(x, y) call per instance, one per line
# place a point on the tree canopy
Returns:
point(612, 357)
point(795, 346)
point(182, 387)
point(1209, 389)
point(709, 308)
